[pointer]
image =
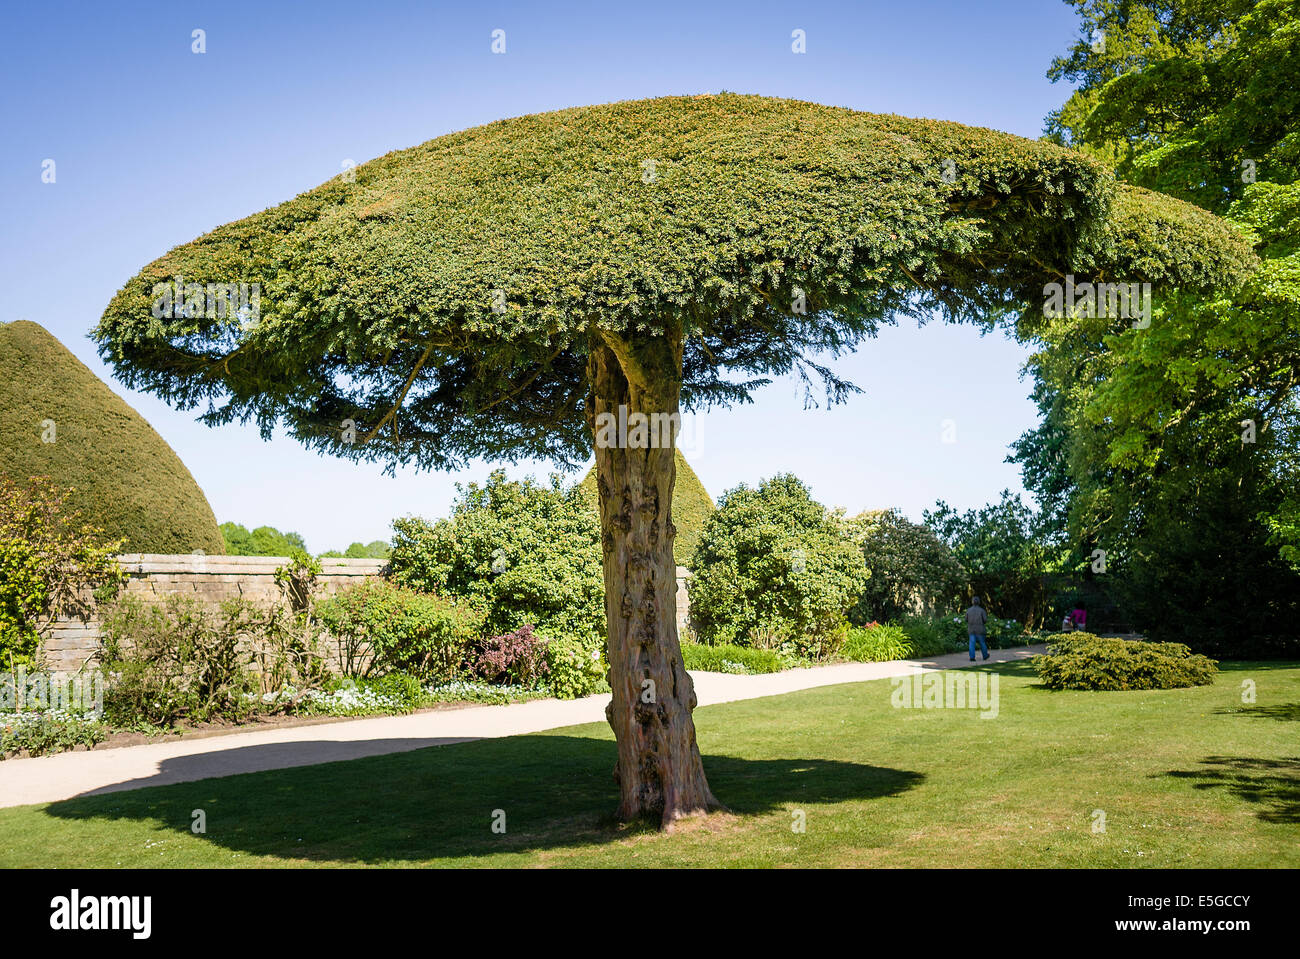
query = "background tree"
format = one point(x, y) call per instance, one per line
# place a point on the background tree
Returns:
point(1002, 549)
point(527, 553)
point(375, 549)
point(496, 292)
point(263, 541)
point(910, 570)
point(773, 564)
point(1197, 100)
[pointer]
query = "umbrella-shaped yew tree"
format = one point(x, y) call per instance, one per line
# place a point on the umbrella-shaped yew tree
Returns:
point(567, 282)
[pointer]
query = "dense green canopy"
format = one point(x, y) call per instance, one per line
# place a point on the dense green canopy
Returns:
point(58, 419)
point(442, 299)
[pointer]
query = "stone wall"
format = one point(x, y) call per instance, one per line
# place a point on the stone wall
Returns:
point(71, 642)
point(208, 578)
point(683, 602)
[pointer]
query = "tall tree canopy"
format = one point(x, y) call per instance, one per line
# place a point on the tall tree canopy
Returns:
point(499, 291)
point(1194, 419)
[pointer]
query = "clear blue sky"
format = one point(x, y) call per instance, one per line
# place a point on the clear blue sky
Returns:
point(155, 145)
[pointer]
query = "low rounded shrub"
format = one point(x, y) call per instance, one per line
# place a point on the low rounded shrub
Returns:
point(1084, 661)
point(522, 551)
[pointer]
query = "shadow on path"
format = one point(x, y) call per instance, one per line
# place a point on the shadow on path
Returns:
point(269, 756)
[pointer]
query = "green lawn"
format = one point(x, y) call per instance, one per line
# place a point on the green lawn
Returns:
point(1185, 778)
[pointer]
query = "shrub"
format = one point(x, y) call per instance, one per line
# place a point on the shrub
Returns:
point(911, 570)
point(297, 579)
point(727, 658)
point(44, 733)
point(49, 562)
point(877, 644)
point(1084, 661)
point(576, 668)
point(516, 659)
point(381, 627)
point(289, 650)
point(524, 552)
point(930, 636)
point(773, 560)
point(178, 660)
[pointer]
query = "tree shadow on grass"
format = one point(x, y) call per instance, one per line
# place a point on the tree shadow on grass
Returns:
point(439, 803)
point(1271, 784)
point(1283, 712)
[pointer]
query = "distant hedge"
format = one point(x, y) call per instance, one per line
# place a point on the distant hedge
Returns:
point(691, 507)
point(125, 478)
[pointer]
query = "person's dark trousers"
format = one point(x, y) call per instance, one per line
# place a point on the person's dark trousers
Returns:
point(983, 647)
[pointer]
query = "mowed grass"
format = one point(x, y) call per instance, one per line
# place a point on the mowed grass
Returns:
point(1189, 777)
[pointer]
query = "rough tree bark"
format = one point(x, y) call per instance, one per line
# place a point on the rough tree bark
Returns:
point(659, 770)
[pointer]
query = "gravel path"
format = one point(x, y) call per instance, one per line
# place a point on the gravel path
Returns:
point(62, 776)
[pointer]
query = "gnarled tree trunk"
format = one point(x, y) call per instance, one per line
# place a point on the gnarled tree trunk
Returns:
point(659, 768)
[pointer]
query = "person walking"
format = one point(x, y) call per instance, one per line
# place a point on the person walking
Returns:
point(976, 627)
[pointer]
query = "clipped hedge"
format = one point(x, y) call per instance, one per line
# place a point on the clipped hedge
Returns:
point(58, 419)
point(1084, 661)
